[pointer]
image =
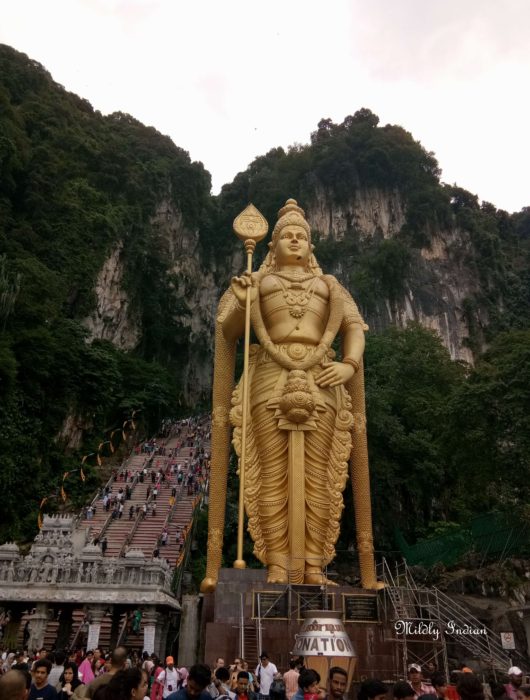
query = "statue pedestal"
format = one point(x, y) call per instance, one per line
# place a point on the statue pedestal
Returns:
point(246, 615)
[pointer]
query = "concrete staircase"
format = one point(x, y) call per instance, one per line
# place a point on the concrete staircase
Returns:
point(144, 533)
point(137, 532)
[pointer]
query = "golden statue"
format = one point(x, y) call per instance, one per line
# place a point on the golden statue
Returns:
point(305, 418)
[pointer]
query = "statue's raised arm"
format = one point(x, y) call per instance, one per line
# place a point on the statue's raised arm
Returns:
point(305, 416)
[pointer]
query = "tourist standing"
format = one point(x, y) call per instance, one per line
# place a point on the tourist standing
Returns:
point(198, 678)
point(416, 681)
point(338, 683)
point(58, 659)
point(156, 687)
point(127, 684)
point(265, 672)
point(118, 659)
point(290, 678)
point(243, 689)
point(169, 678)
point(40, 688)
point(69, 682)
point(516, 680)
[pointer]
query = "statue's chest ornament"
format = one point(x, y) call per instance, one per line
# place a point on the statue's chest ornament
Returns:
point(297, 297)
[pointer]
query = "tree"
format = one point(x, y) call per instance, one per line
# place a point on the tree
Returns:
point(410, 379)
point(489, 432)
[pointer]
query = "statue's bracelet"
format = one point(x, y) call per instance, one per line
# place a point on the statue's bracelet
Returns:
point(352, 362)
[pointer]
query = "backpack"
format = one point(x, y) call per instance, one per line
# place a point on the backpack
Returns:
point(277, 687)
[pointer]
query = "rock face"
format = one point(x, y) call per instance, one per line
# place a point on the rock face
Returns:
point(112, 318)
point(435, 294)
point(369, 211)
point(439, 283)
point(73, 430)
point(191, 281)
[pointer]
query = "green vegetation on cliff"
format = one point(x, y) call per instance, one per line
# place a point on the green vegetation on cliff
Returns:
point(74, 184)
point(446, 441)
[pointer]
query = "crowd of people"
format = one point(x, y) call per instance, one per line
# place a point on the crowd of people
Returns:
point(121, 675)
point(163, 468)
point(463, 685)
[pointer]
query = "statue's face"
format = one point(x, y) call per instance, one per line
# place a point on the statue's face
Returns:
point(292, 247)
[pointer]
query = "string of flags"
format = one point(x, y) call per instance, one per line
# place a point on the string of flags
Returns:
point(112, 443)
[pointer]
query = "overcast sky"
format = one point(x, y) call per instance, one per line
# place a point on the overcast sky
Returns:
point(229, 79)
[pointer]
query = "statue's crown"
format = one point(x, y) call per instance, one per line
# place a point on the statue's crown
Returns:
point(290, 215)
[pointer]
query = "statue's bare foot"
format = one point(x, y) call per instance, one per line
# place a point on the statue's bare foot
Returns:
point(208, 585)
point(277, 575)
point(317, 578)
point(374, 585)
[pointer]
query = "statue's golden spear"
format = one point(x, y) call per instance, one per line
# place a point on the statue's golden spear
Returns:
point(250, 227)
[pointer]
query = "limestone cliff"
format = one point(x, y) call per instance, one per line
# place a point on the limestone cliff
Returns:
point(191, 281)
point(369, 211)
point(433, 294)
point(112, 318)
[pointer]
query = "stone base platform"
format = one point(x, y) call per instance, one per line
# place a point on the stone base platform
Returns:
point(244, 601)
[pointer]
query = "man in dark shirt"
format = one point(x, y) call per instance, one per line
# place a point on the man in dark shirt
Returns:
point(21, 664)
point(118, 660)
point(198, 678)
point(40, 688)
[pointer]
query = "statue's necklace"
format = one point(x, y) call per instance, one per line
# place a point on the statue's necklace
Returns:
point(296, 296)
point(295, 276)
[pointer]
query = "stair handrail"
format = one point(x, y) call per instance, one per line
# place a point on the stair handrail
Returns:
point(444, 609)
point(109, 519)
point(78, 632)
point(136, 525)
point(130, 535)
point(101, 490)
point(105, 526)
point(463, 615)
point(93, 501)
point(179, 572)
point(123, 630)
point(395, 591)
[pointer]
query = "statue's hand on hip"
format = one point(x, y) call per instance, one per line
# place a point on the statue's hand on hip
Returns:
point(334, 373)
point(239, 286)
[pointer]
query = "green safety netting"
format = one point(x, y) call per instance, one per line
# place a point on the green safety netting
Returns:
point(491, 535)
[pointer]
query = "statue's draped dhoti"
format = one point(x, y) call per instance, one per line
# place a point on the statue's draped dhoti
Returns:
point(298, 445)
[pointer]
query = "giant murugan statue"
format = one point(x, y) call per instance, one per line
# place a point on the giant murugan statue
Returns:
point(305, 419)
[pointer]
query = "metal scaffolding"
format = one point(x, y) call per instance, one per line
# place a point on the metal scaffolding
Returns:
point(425, 619)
